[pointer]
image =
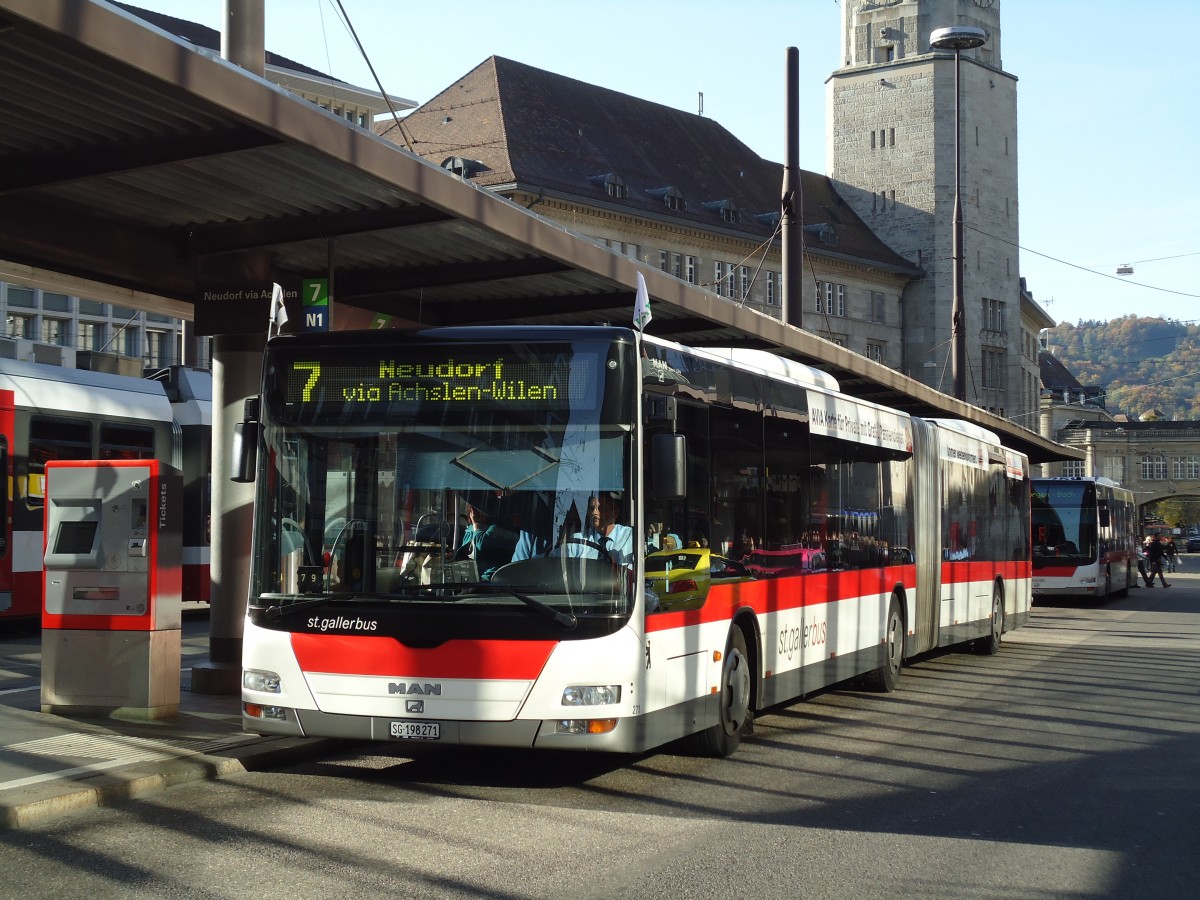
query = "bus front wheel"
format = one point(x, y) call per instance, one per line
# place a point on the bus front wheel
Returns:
point(721, 739)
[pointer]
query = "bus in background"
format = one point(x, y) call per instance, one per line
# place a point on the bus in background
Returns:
point(1085, 537)
point(622, 496)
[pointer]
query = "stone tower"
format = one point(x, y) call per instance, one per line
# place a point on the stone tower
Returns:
point(891, 154)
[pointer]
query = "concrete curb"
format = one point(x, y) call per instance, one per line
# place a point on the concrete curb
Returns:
point(36, 804)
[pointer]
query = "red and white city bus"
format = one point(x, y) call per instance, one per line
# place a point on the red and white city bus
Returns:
point(1085, 537)
point(380, 456)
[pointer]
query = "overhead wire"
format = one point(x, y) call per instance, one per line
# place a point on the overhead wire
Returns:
point(404, 136)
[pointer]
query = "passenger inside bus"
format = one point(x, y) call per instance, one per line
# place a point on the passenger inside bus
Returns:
point(489, 542)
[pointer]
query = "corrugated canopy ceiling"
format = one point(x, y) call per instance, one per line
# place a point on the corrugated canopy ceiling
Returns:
point(131, 160)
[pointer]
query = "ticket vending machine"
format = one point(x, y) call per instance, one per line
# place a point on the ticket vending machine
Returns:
point(113, 575)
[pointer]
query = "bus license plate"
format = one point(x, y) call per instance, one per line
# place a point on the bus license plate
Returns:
point(417, 731)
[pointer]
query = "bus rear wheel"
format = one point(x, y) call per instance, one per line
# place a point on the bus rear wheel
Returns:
point(885, 678)
point(989, 645)
point(723, 738)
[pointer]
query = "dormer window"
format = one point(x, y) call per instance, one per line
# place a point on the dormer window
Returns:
point(463, 167)
point(823, 232)
point(725, 209)
point(613, 184)
point(671, 196)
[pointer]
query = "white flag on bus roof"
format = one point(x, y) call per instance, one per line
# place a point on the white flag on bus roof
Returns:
point(641, 306)
point(279, 314)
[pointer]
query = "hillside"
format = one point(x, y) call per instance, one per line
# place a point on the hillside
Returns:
point(1144, 363)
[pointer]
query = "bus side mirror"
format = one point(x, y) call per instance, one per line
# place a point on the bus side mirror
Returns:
point(244, 457)
point(668, 466)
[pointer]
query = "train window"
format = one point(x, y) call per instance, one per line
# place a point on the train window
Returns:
point(126, 442)
point(51, 439)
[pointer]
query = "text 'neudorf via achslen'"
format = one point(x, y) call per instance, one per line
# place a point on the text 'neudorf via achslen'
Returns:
point(447, 381)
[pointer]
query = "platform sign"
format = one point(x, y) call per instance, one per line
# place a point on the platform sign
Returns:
point(315, 304)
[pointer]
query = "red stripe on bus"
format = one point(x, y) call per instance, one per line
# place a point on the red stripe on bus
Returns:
point(352, 654)
point(770, 595)
point(964, 571)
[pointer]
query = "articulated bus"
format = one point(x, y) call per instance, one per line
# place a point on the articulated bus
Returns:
point(1085, 537)
point(423, 569)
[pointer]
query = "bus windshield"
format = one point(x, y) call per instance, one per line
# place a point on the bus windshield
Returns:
point(431, 474)
point(1064, 521)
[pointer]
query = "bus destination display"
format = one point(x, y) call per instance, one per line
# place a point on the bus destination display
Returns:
point(450, 379)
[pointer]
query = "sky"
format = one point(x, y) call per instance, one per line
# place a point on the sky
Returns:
point(1108, 131)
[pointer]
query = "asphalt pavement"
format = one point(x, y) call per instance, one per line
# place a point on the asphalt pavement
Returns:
point(52, 764)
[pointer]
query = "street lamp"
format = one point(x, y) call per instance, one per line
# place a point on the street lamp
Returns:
point(958, 38)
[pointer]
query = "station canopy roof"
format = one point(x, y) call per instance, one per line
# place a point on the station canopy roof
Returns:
point(136, 169)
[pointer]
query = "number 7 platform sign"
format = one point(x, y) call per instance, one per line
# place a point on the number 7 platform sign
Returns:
point(315, 304)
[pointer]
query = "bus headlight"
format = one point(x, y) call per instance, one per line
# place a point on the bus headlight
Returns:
point(591, 695)
point(265, 682)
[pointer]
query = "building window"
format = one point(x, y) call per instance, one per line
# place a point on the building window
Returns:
point(158, 349)
point(23, 297)
point(772, 299)
point(1154, 468)
point(132, 341)
point(91, 336)
point(662, 260)
point(719, 277)
point(691, 270)
point(994, 362)
point(744, 276)
point(878, 313)
point(672, 197)
point(1114, 467)
point(56, 302)
point(875, 352)
point(676, 265)
point(994, 315)
point(1185, 468)
point(19, 326)
point(831, 299)
point(1073, 468)
point(54, 331)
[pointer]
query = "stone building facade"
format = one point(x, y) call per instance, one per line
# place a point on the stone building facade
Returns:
point(892, 154)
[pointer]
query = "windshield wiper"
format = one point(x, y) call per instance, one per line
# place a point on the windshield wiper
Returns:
point(565, 619)
point(280, 609)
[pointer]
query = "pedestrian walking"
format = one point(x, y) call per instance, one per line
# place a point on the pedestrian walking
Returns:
point(1155, 555)
point(1169, 553)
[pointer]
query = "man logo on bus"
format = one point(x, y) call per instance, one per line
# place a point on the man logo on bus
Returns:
point(413, 687)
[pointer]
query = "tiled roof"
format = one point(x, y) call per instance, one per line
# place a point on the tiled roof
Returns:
point(1055, 376)
point(210, 38)
point(538, 130)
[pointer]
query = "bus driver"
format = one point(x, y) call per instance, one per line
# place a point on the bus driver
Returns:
point(601, 536)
